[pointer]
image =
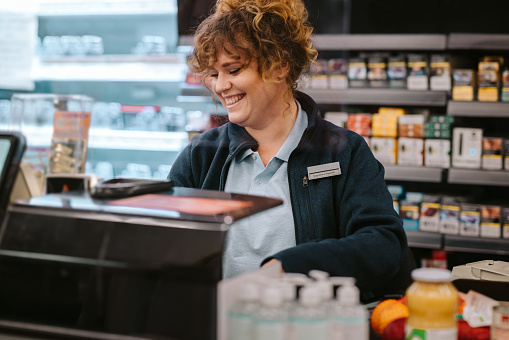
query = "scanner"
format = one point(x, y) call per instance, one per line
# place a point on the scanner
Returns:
point(483, 270)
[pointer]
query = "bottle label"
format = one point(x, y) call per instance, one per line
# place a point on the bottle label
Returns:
point(431, 334)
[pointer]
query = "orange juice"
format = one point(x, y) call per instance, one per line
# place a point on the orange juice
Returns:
point(432, 301)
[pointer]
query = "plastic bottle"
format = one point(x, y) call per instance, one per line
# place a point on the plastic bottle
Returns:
point(270, 319)
point(241, 315)
point(349, 319)
point(309, 318)
point(432, 300)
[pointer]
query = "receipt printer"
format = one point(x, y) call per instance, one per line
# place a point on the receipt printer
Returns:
point(488, 270)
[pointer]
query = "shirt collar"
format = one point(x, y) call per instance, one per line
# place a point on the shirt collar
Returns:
point(291, 141)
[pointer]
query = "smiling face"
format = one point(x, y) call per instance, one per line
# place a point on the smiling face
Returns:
point(249, 101)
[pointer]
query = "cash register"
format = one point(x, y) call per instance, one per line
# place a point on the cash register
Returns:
point(76, 266)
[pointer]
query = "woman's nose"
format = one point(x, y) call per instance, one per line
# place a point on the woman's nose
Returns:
point(222, 84)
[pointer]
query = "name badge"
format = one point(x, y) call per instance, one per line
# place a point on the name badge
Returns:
point(324, 170)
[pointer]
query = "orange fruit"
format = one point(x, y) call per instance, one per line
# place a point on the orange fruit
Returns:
point(386, 312)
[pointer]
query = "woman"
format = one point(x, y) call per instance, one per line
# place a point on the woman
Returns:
point(337, 214)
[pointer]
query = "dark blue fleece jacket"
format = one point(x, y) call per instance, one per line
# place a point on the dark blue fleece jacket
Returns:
point(345, 225)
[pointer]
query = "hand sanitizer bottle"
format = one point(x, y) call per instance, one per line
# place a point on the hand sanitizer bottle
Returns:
point(241, 315)
point(309, 318)
point(349, 318)
point(270, 319)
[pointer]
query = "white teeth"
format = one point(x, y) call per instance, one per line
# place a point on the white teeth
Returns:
point(234, 99)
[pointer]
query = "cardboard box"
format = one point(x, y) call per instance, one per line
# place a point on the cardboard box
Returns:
point(449, 215)
point(417, 72)
point(505, 222)
point(505, 86)
point(409, 213)
point(357, 73)
point(411, 126)
point(467, 148)
point(337, 73)
point(319, 71)
point(491, 221)
point(397, 72)
point(470, 219)
point(377, 72)
point(410, 151)
point(492, 153)
point(489, 81)
point(437, 153)
point(464, 83)
point(430, 213)
point(384, 149)
point(440, 73)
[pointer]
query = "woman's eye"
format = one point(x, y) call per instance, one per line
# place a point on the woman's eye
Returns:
point(235, 71)
point(213, 75)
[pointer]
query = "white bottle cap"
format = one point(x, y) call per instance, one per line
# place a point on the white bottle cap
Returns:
point(432, 275)
point(310, 296)
point(325, 288)
point(318, 275)
point(272, 297)
point(348, 294)
point(249, 292)
point(287, 289)
point(296, 278)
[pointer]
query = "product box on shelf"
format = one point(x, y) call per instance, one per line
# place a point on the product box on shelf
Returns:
point(437, 130)
point(337, 73)
point(359, 123)
point(450, 214)
point(437, 153)
point(397, 72)
point(492, 153)
point(464, 83)
point(384, 149)
point(505, 85)
point(384, 125)
point(411, 126)
point(489, 81)
point(409, 213)
point(430, 213)
point(357, 73)
point(396, 193)
point(377, 72)
point(491, 221)
point(505, 222)
point(337, 118)
point(506, 154)
point(417, 72)
point(410, 151)
point(319, 74)
point(440, 73)
point(467, 148)
point(470, 219)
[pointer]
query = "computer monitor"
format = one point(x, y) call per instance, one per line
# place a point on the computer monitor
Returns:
point(12, 148)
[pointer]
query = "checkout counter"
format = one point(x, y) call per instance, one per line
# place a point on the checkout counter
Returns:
point(77, 267)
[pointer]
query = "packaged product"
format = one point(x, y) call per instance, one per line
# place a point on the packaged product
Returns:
point(440, 73)
point(489, 81)
point(505, 222)
point(491, 221)
point(337, 73)
point(377, 72)
point(437, 153)
point(410, 151)
point(463, 84)
point(357, 72)
point(467, 148)
point(450, 214)
point(505, 85)
point(384, 149)
point(397, 72)
point(319, 74)
point(492, 153)
point(430, 213)
point(417, 72)
point(470, 219)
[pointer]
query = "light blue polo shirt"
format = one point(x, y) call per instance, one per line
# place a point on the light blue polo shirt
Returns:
point(250, 240)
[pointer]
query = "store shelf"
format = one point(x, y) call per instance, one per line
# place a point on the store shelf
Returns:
point(421, 239)
point(38, 136)
point(368, 96)
point(476, 244)
point(380, 42)
point(49, 8)
point(413, 173)
point(110, 68)
point(478, 109)
point(469, 41)
point(478, 177)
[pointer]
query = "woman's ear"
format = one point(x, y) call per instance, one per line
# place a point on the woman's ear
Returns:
point(281, 72)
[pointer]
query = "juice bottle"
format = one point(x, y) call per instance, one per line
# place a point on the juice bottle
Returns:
point(432, 301)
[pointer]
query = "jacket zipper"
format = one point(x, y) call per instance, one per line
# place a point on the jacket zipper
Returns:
point(305, 184)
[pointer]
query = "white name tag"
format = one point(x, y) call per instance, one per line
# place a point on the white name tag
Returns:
point(324, 170)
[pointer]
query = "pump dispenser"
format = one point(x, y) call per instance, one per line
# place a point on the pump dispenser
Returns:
point(349, 318)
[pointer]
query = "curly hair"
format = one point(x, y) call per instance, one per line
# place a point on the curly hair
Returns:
point(275, 32)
